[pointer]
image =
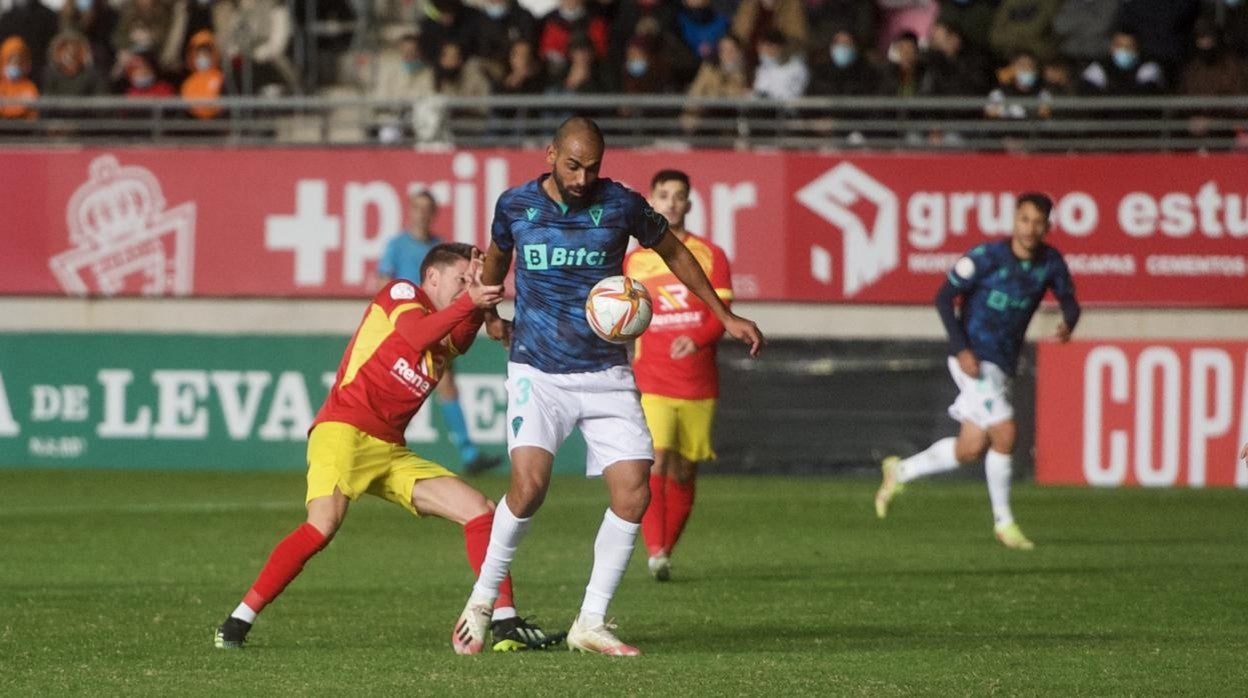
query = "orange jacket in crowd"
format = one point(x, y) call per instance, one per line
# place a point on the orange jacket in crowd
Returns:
point(204, 82)
point(14, 50)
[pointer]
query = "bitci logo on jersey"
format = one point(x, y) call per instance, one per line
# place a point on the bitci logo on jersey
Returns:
point(866, 213)
point(540, 257)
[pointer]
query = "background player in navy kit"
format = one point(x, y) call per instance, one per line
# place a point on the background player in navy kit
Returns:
point(1001, 284)
point(571, 230)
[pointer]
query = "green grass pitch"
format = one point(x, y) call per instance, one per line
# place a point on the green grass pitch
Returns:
point(113, 582)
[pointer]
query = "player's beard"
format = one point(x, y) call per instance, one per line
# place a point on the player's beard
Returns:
point(570, 198)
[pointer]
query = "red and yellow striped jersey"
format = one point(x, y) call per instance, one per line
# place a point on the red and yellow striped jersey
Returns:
point(396, 358)
point(678, 312)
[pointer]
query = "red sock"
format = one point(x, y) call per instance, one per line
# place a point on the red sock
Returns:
point(477, 541)
point(679, 506)
point(285, 563)
point(652, 521)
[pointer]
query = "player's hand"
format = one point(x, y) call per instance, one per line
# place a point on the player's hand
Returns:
point(483, 296)
point(968, 363)
point(498, 329)
point(746, 331)
point(1062, 333)
point(1244, 453)
point(683, 346)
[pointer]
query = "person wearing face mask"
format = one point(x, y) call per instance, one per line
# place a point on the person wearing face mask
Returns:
point(1022, 82)
point(843, 71)
point(206, 80)
point(14, 82)
point(781, 74)
point(904, 72)
point(1124, 73)
point(188, 19)
point(644, 71)
point(69, 72)
point(505, 22)
point(142, 80)
point(35, 24)
point(1162, 29)
point(96, 20)
point(827, 17)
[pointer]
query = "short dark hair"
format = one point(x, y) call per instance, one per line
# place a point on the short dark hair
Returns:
point(443, 254)
point(1042, 202)
point(670, 176)
point(423, 194)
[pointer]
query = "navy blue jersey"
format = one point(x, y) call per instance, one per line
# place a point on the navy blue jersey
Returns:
point(1000, 293)
point(560, 254)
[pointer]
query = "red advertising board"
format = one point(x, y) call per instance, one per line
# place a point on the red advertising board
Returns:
point(1156, 230)
point(1156, 414)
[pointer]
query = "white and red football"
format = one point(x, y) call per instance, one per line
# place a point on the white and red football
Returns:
point(618, 309)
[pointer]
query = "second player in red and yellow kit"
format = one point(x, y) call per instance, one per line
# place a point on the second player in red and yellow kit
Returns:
point(676, 370)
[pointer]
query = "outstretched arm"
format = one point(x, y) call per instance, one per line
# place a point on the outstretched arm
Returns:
point(686, 268)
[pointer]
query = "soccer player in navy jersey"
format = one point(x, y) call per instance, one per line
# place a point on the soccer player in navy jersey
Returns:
point(1000, 284)
point(567, 230)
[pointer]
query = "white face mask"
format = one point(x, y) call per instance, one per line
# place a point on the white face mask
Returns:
point(495, 11)
point(571, 15)
point(13, 72)
point(203, 62)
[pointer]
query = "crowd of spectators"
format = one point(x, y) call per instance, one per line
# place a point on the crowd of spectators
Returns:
point(999, 49)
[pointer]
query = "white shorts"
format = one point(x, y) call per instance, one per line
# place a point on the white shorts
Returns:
point(982, 401)
point(543, 408)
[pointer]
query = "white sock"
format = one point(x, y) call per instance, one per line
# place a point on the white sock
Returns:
point(244, 613)
point(938, 458)
point(997, 471)
point(503, 613)
point(612, 549)
point(505, 536)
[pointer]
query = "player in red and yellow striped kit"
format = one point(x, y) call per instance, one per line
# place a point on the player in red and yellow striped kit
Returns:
point(674, 362)
point(356, 446)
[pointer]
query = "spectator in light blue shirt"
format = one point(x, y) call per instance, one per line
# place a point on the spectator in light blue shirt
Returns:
point(406, 251)
point(401, 260)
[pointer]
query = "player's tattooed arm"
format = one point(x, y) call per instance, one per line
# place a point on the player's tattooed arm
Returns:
point(686, 268)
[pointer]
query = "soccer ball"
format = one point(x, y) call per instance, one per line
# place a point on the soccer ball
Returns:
point(618, 309)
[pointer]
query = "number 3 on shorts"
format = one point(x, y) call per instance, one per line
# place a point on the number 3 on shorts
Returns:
point(524, 388)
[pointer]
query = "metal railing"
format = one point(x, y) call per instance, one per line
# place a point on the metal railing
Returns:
point(877, 124)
